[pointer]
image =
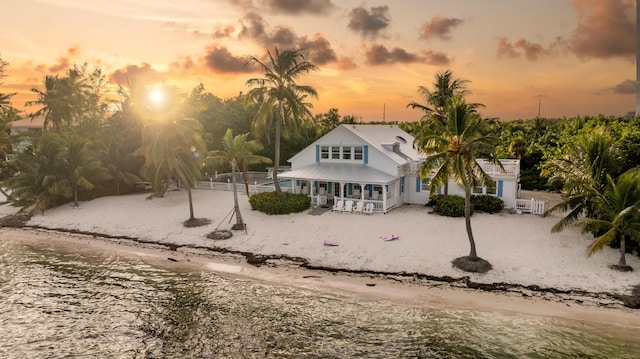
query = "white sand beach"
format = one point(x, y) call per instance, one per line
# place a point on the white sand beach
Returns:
point(521, 247)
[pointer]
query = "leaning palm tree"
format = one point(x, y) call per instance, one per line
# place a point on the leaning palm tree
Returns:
point(452, 150)
point(582, 170)
point(172, 147)
point(237, 150)
point(617, 215)
point(281, 98)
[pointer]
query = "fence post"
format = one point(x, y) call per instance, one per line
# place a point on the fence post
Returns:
point(228, 184)
point(210, 183)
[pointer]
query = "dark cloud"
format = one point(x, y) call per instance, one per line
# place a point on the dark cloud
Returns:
point(377, 54)
point(253, 26)
point(369, 24)
point(439, 27)
point(436, 58)
point(531, 51)
point(63, 63)
point(626, 87)
point(318, 50)
point(294, 7)
point(220, 60)
point(223, 31)
point(140, 73)
point(606, 28)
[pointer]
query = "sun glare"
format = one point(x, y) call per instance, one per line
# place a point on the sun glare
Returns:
point(156, 97)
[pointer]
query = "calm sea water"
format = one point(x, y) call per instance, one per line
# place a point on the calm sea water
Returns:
point(65, 305)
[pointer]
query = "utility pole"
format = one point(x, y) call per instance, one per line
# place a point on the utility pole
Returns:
point(540, 99)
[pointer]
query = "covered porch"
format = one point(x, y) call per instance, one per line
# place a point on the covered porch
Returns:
point(328, 183)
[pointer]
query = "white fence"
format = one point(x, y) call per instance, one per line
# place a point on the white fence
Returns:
point(530, 206)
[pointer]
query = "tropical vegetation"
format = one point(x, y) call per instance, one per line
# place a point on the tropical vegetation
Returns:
point(96, 143)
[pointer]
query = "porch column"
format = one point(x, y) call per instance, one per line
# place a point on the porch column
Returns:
point(362, 192)
point(384, 197)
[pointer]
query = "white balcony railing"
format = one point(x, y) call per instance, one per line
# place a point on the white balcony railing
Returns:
point(511, 168)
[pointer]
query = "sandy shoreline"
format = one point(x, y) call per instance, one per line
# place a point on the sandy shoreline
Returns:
point(521, 248)
point(424, 295)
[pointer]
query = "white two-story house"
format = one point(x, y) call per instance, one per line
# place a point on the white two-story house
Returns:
point(377, 164)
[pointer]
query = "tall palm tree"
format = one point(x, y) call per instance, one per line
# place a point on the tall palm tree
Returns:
point(617, 214)
point(282, 100)
point(452, 150)
point(444, 88)
point(237, 151)
point(582, 170)
point(172, 147)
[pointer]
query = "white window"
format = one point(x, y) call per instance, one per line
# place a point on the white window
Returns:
point(346, 153)
point(335, 152)
point(324, 152)
point(425, 184)
point(357, 153)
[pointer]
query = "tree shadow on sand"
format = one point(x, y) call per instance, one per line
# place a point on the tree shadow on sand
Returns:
point(472, 264)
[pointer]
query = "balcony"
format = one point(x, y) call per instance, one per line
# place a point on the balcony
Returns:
point(511, 168)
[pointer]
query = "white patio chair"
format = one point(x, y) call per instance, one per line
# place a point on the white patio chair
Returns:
point(359, 207)
point(368, 209)
point(348, 206)
point(338, 206)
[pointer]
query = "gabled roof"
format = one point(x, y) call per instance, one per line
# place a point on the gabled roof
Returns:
point(384, 137)
point(339, 172)
point(28, 122)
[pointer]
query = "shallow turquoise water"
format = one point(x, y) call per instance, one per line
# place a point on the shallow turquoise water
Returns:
point(59, 305)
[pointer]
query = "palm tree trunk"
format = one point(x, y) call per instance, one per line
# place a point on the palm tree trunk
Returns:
point(75, 196)
point(276, 159)
point(183, 178)
point(623, 261)
point(236, 207)
point(245, 177)
point(467, 222)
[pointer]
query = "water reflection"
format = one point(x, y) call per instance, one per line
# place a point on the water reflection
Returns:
point(59, 305)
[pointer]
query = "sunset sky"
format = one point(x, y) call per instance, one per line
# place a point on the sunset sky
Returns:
point(574, 57)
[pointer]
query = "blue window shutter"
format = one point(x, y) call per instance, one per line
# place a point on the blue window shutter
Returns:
point(401, 184)
point(368, 188)
point(500, 188)
point(297, 182)
point(317, 153)
point(366, 155)
point(418, 184)
point(329, 187)
point(350, 189)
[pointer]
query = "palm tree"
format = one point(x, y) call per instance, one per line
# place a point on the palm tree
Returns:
point(582, 171)
point(617, 215)
point(78, 167)
point(237, 151)
point(444, 88)
point(31, 188)
point(172, 147)
point(452, 150)
point(281, 98)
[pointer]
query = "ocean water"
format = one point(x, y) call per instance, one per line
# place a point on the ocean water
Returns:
point(58, 304)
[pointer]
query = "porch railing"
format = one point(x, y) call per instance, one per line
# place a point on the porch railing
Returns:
point(511, 167)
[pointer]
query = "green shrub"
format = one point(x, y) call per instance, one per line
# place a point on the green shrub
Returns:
point(486, 203)
point(449, 206)
point(270, 203)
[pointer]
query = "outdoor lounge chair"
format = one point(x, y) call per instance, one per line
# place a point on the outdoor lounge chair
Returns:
point(348, 206)
point(338, 206)
point(359, 207)
point(368, 209)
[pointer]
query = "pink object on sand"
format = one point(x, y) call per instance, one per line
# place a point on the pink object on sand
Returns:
point(390, 237)
point(330, 243)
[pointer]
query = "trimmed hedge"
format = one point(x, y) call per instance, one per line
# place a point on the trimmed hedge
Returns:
point(271, 203)
point(449, 206)
point(487, 204)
